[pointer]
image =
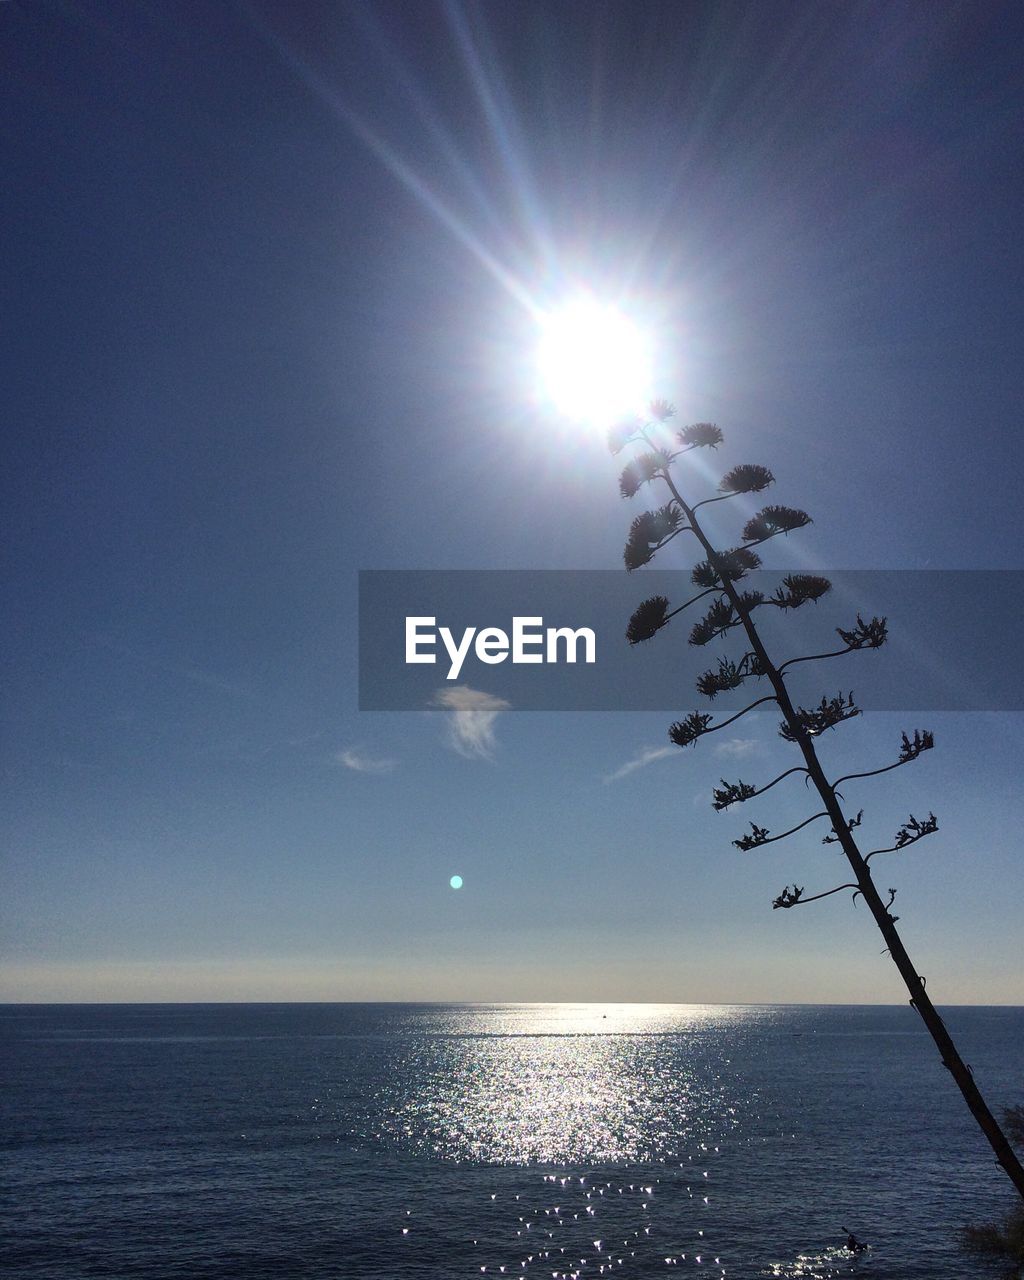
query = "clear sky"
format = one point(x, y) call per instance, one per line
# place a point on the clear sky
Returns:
point(268, 279)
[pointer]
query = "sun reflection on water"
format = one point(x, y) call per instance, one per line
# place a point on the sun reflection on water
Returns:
point(556, 1084)
point(585, 1140)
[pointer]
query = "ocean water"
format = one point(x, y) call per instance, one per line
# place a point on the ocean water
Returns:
point(553, 1141)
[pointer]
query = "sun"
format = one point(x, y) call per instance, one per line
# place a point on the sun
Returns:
point(594, 362)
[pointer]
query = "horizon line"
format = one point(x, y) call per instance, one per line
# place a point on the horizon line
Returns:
point(472, 1004)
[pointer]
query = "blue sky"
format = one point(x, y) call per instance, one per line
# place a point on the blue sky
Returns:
point(264, 327)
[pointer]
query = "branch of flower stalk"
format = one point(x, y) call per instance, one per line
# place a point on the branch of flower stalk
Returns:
point(707, 501)
point(813, 657)
point(910, 834)
point(649, 609)
point(797, 768)
point(796, 898)
point(761, 836)
point(709, 728)
point(872, 773)
point(923, 741)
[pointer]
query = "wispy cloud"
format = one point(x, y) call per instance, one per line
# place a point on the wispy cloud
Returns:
point(471, 723)
point(359, 762)
point(737, 748)
point(640, 761)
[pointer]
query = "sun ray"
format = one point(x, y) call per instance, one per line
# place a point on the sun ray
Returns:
point(403, 172)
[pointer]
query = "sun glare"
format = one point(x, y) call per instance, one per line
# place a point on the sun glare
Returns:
point(594, 362)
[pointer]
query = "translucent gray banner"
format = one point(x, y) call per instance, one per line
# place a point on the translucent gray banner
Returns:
point(953, 638)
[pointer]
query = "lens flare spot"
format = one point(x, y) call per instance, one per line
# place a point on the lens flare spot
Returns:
point(456, 882)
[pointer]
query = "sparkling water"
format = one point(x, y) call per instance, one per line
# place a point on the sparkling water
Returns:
point(550, 1141)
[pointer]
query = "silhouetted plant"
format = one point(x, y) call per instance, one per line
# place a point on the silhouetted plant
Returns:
point(729, 609)
point(1000, 1239)
point(1003, 1239)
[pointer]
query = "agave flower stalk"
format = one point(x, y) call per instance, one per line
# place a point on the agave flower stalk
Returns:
point(731, 609)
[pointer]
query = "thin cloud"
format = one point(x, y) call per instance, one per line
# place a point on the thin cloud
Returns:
point(641, 761)
point(737, 748)
point(471, 722)
point(358, 762)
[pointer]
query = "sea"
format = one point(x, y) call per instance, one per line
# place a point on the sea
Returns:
point(560, 1141)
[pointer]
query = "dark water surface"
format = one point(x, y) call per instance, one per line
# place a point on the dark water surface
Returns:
point(393, 1141)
